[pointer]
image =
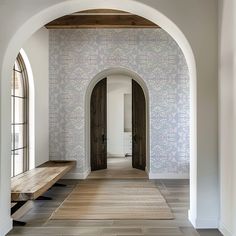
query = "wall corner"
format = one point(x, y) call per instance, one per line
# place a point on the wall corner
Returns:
point(5, 226)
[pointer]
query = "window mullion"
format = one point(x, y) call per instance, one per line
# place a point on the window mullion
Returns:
point(20, 91)
point(13, 136)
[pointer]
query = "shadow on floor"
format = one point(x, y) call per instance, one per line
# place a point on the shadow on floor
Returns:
point(209, 232)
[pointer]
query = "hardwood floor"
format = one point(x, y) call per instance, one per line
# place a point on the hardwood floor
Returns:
point(176, 193)
point(118, 168)
point(106, 199)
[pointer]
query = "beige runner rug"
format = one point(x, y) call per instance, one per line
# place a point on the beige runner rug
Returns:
point(114, 199)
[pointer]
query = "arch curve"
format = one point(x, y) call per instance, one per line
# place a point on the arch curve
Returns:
point(49, 13)
point(101, 75)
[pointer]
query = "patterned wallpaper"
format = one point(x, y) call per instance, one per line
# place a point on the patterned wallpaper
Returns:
point(76, 56)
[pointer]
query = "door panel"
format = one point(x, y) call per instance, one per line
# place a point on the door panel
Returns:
point(138, 127)
point(98, 126)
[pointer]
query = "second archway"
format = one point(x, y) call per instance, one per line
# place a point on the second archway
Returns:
point(118, 126)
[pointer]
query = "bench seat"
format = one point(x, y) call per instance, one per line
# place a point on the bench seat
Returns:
point(33, 183)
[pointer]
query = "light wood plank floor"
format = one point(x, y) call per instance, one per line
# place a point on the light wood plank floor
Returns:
point(118, 168)
point(176, 193)
point(114, 199)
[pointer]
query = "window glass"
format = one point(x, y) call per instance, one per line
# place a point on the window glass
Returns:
point(19, 161)
point(19, 110)
point(18, 84)
point(19, 118)
point(18, 136)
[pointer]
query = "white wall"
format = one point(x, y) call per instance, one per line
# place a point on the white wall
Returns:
point(128, 112)
point(117, 86)
point(37, 51)
point(227, 114)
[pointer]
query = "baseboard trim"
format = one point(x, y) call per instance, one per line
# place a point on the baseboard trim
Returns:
point(206, 223)
point(5, 227)
point(167, 176)
point(223, 229)
point(74, 175)
point(191, 218)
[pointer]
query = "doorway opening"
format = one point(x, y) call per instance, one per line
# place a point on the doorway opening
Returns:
point(118, 127)
point(119, 122)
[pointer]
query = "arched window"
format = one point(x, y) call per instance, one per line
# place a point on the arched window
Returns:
point(19, 118)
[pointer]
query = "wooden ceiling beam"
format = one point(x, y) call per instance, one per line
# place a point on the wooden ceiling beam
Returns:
point(102, 11)
point(100, 21)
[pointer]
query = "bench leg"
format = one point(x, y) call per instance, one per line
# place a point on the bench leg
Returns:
point(59, 185)
point(43, 198)
point(14, 209)
point(18, 223)
point(17, 206)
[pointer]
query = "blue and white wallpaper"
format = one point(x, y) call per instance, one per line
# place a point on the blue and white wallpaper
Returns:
point(76, 56)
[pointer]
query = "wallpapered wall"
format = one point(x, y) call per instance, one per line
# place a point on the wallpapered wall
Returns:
point(76, 56)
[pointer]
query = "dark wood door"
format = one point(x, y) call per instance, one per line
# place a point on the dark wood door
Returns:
point(98, 126)
point(138, 127)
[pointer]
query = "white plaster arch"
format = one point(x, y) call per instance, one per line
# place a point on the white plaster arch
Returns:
point(39, 19)
point(101, 75)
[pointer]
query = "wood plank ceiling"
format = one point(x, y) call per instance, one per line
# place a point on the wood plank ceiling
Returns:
point(102, 18)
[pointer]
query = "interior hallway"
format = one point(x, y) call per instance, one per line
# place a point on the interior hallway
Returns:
point(176, 193)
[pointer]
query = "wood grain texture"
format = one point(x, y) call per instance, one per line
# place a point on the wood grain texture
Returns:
point(23, 210)
point(118, 168)
point(77, 21)
point(33, 183)
point(176, 193)
point(102, 11)
point(138, 127)
point(98, 126)
point(113, 200)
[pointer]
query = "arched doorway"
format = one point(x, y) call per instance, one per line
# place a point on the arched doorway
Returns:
point(101, 123)
point(38, 20)
point(142, 86)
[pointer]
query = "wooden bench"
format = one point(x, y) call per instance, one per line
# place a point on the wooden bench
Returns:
point(31, 184)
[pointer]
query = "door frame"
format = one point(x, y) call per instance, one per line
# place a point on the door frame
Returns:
point(101, 75)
